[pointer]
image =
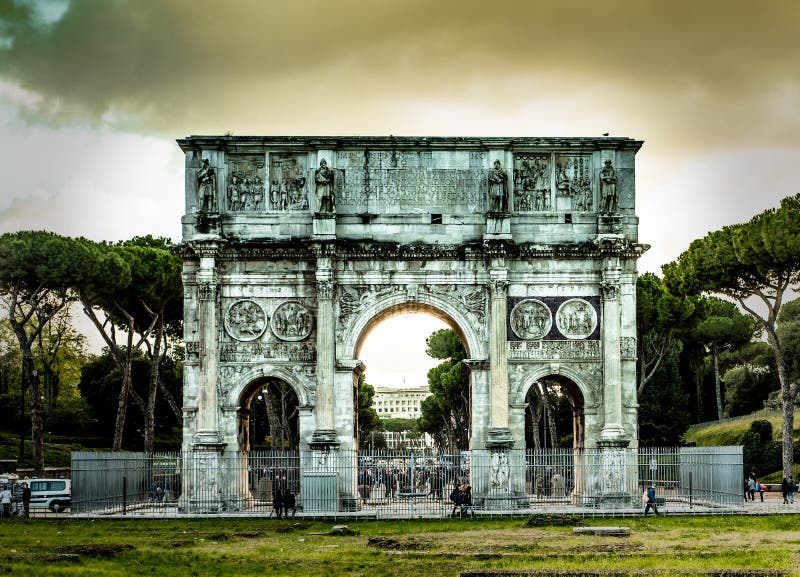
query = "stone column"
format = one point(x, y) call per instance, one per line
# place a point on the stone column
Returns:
point(325, 433)
point(613, 431)
point(207, 432)
point(499, 434)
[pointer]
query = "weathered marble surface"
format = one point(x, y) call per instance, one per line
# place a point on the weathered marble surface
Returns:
point(281, 284)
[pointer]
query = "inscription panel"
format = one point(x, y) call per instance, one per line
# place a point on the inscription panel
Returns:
point(419, 181)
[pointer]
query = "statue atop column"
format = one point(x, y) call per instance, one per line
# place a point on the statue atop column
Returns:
point(608, 187)
point(323, 179)
point(498, 189)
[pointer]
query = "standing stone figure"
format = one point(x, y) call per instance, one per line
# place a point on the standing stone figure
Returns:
point(323, 178)
point(608, 187)
point(498, 189)
point(206, 187)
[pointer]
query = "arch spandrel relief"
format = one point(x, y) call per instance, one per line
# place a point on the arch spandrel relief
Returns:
point(531, 319)
point(576, 319)
point(245, 320)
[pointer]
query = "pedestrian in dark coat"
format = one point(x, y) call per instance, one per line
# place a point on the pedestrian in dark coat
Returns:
point(289, 503)
point(785, 491)
point(651, 500)
point(277, 503)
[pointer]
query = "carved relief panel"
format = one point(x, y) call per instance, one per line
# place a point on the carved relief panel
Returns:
point(532, 183)
point(245, 320)
point(245, 190)
point(256, 330)
point(287, 182)
point(531, 319)
point(574, 183)
point(576, 319)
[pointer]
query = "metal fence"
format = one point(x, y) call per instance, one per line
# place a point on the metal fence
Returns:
point(406, 485)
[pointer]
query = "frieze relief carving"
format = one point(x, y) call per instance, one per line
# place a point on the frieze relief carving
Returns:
point(574, 181)
point(245, 320)
point(245, 192)
point(550, 350)
point(531, 319)
point(252, 352)
point(576, 319)
point(291, 321)
point(287, 188)
point(532, 185)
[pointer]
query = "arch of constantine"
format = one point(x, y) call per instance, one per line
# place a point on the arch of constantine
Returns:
point(295, 247)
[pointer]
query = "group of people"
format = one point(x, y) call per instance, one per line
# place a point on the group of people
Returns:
point(461, 496)
point(7, 499)
point(751, 487)
point(282, 503)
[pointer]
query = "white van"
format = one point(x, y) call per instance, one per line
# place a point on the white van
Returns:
point(53, 494)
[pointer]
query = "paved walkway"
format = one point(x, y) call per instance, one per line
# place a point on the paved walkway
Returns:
point(773, 503)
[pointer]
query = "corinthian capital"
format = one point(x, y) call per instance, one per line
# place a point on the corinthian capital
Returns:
point(498, 288)
point(325, 289)
point(609, 290)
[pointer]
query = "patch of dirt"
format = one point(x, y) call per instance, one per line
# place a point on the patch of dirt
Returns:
point(392, 544)
point(101, 551)
point(552, 520)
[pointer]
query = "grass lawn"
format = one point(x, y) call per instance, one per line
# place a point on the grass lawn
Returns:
point(233, 547)
point(732, 432)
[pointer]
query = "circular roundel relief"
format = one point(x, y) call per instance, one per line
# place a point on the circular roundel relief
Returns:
point(576, 319)
point(291, 321)
point(531, 319)
point(245, 320)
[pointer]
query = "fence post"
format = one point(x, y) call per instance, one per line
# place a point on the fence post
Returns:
point(124, 494)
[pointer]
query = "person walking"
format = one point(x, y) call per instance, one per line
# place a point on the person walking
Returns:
point(455, 497)
point(792, 490)
point(751, 487)
point(651, 501)
point(785, 490)
point(466, 501)
point(26, 500)
point(277, 503)
point(289, 503)
point(5, 500)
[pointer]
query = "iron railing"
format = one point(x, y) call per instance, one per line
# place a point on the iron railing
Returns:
point(406, 485)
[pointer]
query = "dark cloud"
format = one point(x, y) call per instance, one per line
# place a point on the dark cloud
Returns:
point(715, 68)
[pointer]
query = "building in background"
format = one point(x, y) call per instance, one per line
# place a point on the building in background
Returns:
point(399, 403)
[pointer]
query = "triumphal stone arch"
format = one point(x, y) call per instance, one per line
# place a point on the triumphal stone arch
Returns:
point(295, 247)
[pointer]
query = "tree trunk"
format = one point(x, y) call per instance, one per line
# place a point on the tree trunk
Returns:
point(272, 417)
point(155, 364)
point(717, 382)
point(124, 390)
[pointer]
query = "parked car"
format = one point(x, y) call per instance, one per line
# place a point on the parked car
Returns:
point(53, 494)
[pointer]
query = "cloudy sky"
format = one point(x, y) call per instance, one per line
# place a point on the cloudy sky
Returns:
point(93, 94)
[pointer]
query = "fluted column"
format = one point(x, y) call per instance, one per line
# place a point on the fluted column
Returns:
point(207, 404)
point(325, 433)
point(499, 434)
point(612, 432)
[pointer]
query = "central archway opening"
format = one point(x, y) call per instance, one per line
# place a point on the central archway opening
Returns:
point(422, 402)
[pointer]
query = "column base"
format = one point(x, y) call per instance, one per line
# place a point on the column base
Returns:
point(613, 437)
point(207, 439)
point(324, 439)
point(499, 438)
